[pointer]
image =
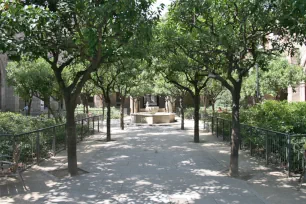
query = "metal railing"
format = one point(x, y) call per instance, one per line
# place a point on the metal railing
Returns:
point(276, 148)
point(46, 142)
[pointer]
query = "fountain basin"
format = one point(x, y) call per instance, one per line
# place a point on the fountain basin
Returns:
point(150, 118)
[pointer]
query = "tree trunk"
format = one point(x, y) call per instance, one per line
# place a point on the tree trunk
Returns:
point(71, 137)
point(235, 140)
point(138, 105)
point(103, 107)
point(29, 107)
point(122, 112)
point(84, 111)
point(51, 111)
point(182, 113)
point(205, 105)
point(213, 106)
point(87, 111)
point(133, 105)
point(57, 119)
point(46, 101)
point(172, 101)
point(167, 103)
point(108, 119)
point(196, 116)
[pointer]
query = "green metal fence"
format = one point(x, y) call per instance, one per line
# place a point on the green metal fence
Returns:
point(44, 143)
point(276, 148)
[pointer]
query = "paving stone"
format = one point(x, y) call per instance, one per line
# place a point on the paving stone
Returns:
point(145, 165)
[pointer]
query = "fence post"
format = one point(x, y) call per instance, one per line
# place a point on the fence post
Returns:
point(267, 148)
point(223, 129)
point(212, 124)
point(82, 129)
point(223, 138)
point(288, 154)
point(251, 149)
point(98, 124)
point(217, 131)
point(240, 138)
point(204, 122)
point(37, 148)
point(88, 125)
point(93, 124)
point(66, 137)
point(54, 142)
point(230, 132)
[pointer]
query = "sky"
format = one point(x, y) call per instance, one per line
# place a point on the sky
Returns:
point(166, 2)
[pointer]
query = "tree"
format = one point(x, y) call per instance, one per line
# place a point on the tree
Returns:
point(144, 85)
point(65, 32)
point(88, 90)
point(33, 78)
point(127, 79)
point(211, 93)
point(178, 60)
point(275, 80)
point(105, 80)
point(239, 35)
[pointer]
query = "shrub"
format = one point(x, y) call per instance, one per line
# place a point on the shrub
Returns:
point(115, 113)
point(15, 123)
point(278, 116)
point(189, 113)
point(289, 118)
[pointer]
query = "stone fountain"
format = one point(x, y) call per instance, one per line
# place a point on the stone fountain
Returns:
point(152, 116)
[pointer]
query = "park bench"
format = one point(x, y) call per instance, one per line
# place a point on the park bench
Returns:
point(10, 166)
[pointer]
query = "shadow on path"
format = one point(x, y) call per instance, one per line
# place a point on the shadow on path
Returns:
point(151, 164)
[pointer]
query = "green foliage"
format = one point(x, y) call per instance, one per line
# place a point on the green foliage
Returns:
point(32, 78)
point(115, 113)
point(279, 75)
point(189, 112)
point(224, 100)
point(14, 123)
point(17, 124)
point(278, 116)
point(131, 76)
